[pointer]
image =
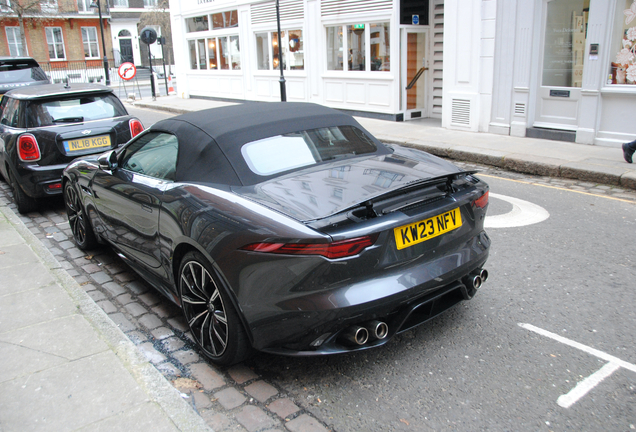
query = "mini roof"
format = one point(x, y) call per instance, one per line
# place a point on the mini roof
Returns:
point(51, 90)
point(210, 141)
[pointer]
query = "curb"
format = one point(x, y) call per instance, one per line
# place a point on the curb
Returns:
point(149, 379)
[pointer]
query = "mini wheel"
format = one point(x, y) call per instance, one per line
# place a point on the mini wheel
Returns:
point(24, 202)
point(213, 321)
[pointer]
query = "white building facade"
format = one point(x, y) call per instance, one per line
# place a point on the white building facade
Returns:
point(564, 69)
point(548, 68)
point(354, 55)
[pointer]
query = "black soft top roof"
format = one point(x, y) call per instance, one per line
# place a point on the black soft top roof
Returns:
point(210, 141)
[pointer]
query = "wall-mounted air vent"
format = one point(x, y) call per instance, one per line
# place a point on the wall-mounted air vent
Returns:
point(338, 7)
point(520, 109)
point(460, 112)
point(266, 12)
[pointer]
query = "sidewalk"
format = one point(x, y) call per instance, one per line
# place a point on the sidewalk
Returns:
point(591, 163)
point(65, 365)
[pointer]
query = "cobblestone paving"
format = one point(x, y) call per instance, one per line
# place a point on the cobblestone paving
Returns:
point(228, 399)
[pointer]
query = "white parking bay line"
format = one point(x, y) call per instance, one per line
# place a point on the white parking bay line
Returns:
point(583, 387)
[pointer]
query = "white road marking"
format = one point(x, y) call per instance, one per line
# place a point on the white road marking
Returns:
point(583, 387)
point(523, 213)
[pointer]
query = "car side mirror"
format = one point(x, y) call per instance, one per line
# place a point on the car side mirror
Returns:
point(108, 161)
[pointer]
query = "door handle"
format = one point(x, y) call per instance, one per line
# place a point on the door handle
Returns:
point(416, 77)
point(147, 208)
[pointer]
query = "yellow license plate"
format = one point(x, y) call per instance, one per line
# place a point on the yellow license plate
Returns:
point(418, 232)
point(88, 143)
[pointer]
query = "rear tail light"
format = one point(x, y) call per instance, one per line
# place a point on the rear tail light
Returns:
point(337, 249)
point(482, 202)
point(28, 149)
point(135, 127)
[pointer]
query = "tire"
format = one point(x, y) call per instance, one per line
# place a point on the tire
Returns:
point(25, 203)
point(213, 321)
point(81, 228)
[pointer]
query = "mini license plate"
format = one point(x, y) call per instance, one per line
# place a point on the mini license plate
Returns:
point(418, 232)
point(87, 143)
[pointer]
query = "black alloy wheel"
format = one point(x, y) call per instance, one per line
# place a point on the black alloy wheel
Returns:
point(80, 226)
point(214, 323)
point(25, 203)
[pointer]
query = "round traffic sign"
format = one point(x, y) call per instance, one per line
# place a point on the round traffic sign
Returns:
point(127, 71)
point(148, 35)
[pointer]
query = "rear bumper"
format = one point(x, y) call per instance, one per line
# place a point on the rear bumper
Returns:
point(36, 180)
point(313, 324)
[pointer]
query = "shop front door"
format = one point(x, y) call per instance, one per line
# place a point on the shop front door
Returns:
point(563, 60)
point(415, 75)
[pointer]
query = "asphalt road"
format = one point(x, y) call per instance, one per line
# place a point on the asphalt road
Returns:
point(546, 344)
point(476, 367)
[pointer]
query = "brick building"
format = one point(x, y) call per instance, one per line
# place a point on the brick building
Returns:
point(64, 36)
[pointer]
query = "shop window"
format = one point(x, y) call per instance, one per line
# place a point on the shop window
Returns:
point(215, 53)
point(197, 24)
point(293, 54)
point(55, 42)
point(334, 48)
point(380, 47)
point(14, 38)
point(564, 45)
point(89, 39)
point(223, 20)
point(364, 41)
point(623, 45)
point(192, 45)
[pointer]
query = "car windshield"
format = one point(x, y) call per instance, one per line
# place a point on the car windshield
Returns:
point(23, 72)
point(284, 152)
point(73, 109)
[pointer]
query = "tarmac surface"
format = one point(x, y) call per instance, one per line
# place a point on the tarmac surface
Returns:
point(87, 347)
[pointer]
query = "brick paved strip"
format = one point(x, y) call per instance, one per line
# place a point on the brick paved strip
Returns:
point(261, 391)
point(305, 423)
point(254, 418)
point(207, 376)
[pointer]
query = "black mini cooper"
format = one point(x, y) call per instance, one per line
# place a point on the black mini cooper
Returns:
point(44, 127)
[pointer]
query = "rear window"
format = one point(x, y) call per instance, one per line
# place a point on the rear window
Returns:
point(285, 152)
point(74, 109)
point(21, 73)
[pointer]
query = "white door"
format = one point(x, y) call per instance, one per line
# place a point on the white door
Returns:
point(415, 74)
point(563, 59)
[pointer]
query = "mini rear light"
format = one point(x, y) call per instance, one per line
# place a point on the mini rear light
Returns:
point(482, 202)
point(28, 149)
point(337, 249)
point(135, 127)
point(54, 186)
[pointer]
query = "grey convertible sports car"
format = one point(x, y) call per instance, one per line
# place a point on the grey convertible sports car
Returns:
point(285, 227)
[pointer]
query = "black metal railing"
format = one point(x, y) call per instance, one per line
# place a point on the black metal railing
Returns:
point(88, 71)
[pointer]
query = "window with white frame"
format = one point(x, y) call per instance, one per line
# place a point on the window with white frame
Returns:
point(268, 50)
point(150, 3)
point(221, 51)
point(14, 38)
point(89, 39)
point(215, 53)
point(55, 42)
point(359, 47)
point(120, 3)
point(48, 5)
point(84, 6)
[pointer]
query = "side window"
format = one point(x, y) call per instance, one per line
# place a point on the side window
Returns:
point(153, 154)
point(10, 112)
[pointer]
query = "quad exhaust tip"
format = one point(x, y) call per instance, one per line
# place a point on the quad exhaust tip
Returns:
point(377, 329)
point(361, 334)
point(356, 335)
